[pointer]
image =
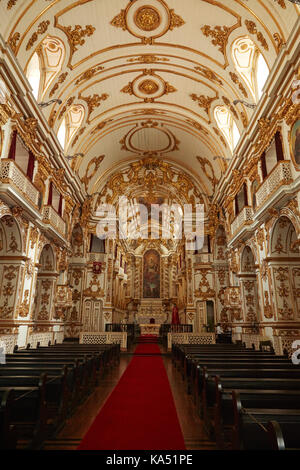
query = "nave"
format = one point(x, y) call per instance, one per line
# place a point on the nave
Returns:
point(199, 397)
point(189, 425)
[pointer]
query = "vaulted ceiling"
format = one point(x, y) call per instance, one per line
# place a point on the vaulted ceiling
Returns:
point(149, 74)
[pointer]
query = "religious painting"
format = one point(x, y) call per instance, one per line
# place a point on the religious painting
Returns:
point(295, 142)
point(151, 286)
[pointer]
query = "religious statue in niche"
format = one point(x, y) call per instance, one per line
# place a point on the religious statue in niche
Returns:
point(152, 274)
point(175, 315)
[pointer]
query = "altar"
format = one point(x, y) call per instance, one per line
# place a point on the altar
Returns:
point(150, 329)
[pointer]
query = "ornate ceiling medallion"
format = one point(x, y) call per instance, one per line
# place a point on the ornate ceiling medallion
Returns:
point(147, 18)
point(138, 138)
point(149, 21)
point(148, 89)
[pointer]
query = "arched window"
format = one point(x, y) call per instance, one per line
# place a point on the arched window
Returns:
point(34, 74)
point(44, 65)
point(250, 64)
point(227, 126)
point(70, 125)
point(53, 54)
point(61, 135)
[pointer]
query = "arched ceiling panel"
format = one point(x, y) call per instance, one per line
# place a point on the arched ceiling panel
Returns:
point(149, 75)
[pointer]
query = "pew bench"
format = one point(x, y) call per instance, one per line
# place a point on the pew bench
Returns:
point(250, 422)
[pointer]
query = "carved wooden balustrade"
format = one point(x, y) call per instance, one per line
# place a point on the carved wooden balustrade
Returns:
point(279, 176)
point(245, 217)
point(10, 173)
point(50, 216)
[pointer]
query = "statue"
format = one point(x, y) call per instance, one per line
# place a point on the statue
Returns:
point(175, 316)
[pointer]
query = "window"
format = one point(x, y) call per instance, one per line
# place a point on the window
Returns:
point(202, 245)
point(227, 126)
point(53, 54)
point(61, 135)
point(97, 244)
point(23, 157)
point(241, 199)
point(272, 155)
point(69, 125)
point(55, 199)
point(34, 74)
point(254, 188)
point(251, 65)
point(44, 65)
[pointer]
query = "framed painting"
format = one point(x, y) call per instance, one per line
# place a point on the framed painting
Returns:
point(151, 284)
point(295, 142)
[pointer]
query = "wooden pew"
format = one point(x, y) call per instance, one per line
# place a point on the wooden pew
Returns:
point(28, 413)
point(284, 436)
point(219, 398)
point(70, 371)
point(8, 437)
point(56, 394)
point(251, 417)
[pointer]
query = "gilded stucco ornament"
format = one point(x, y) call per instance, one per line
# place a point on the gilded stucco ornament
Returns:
point(147, 22)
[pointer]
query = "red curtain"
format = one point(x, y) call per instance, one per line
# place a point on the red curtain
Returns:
point(60, 205)
point(30, 166)
point(50, 194)
point(13, 145)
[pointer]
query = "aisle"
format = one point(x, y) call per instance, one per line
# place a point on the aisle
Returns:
point(140, 413)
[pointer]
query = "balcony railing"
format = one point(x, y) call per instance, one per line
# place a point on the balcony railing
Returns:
point(50, 216)
point(12, 174)
point(245, 217)
point(279, 176)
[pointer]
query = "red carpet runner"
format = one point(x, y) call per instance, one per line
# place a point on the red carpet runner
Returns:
point(140, 413)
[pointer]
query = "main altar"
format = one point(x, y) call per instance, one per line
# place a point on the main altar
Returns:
point(150, 329)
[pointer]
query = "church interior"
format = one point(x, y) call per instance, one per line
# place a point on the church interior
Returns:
point(150, 224)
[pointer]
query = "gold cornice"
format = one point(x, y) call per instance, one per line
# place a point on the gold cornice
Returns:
point(284, 259)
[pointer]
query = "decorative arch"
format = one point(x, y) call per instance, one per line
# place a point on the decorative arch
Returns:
point(11, 264)
point(285, 269)
point(70, 125)
point(227, 126)
point(249, 288)
point(283, 238)
point(11, 236)
point(247, 260)
point(77, 241)
point(45, 286)
point(250, 64)
point(44, 65)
